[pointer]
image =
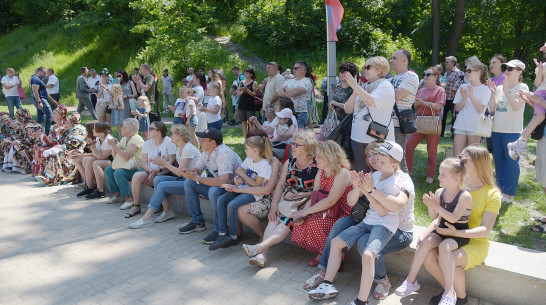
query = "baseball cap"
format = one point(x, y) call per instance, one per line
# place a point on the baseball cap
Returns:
point(286, 113)
point(514, 63)
point(211, 133)
point(392, 149)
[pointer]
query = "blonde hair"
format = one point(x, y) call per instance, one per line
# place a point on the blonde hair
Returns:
point(456, 167)
point(380, 63)
point(116, 88)
point(146, 102)
point(479, 156)
point(188, 90)
point(309, 140)
point(131, 126)
point(181, 130)
point(336, 156)
point(263, 144)
point(216, 86)
point(479, 66)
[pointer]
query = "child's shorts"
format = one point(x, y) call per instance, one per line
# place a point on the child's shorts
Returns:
point(367, 237)
point(193, 121)
point(178, 120)
point(459, 240)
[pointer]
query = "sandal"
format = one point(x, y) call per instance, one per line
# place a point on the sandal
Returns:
point(313, 282)
point(133, 211)
point(539, 228)
point(381, 291)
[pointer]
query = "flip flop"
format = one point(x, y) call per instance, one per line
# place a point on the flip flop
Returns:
point(131, 214)
point(539, 229)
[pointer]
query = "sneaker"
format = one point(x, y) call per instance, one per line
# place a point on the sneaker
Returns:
point(250, 250)
point(233, 242)
point(258, 260)
point(165, 216)
point(513, 151)
point(192, 227)
point(96, 194)
point(221, 241)
point(127, 205)
point(80, 185)
point(86, 191)
point(447, 300)
point(323, 292)
point(356, 303)
point(429, 180)
point(407, 288)
point(435, 300)
point(142, 224)
point(209, 239)
point(521, 146)
point(115, 200)
point(507, 199)
point(313, 282)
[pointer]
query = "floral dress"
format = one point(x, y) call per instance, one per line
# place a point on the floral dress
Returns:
point(58, 168)
point(313, 233)
point(19, 156)
point(38, 159)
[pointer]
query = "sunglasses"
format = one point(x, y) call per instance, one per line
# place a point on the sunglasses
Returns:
point(428, 74)
point(507, 68)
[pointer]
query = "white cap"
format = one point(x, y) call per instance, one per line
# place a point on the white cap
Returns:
point(514, 63)
point(286, 113)
point(392, 149)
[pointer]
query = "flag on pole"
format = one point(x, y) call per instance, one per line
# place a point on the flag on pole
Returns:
point(335, 15)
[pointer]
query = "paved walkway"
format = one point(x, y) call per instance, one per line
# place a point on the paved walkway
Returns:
point(55, 249)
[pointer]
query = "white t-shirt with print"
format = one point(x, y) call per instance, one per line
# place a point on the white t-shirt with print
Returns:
point(53, 80)
point(179, 107)
point(214, 117)
point(254, 170)
point(468, 117)
point(223, 160)
point(406, 218)
point(363, 115)
point(10, 81)
point(104, 145)
point(190, 102)
point(106, 97)
point(188, 152)
point(164, 150)
point(409, 81)
point(389, 221)
point(508, 120)
point(300, 101)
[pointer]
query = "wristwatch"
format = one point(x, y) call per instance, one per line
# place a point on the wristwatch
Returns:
point(373, 190)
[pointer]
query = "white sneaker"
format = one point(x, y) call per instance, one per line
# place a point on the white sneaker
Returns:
point(512, 150)
point(521, 146)
point(142, 224)
point(115, 200)
point(407, 288)
point(80, 185)
point(258, 260)
point(429, 180)
point(322, 292)
point(250, 250)
point(127, 205)
point(164, 217)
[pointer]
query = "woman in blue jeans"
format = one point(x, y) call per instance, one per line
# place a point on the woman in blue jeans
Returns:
point(401, 238)
point(186, 156)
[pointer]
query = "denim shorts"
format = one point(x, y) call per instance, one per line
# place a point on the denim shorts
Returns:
point(178, 120)
point(368, 237)
point(193, 121)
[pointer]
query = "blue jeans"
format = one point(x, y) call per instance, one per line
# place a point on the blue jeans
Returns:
point(164, 185)
point(302, 119)
point(118, 179)
point(228, 203)
point(13, 101)
point(192, 191)
point(507, 169)
point(217, 125)
point(341, 225)
point(45, 111)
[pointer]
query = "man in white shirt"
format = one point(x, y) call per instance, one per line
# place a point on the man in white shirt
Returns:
point(52, 87)
point(269, 87)
point(168, 84)
point(405, 84)
point(10, 82)
point(93, 83)
point(221, 162)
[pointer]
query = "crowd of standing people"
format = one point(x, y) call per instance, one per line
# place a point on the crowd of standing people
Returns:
point(298, 184)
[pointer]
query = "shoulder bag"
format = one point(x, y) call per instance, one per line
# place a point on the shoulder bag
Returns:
point(332, 212)
point(406, 119)
point(330, 124)
point(429, 124)
point(289, 207)
point(376, 130)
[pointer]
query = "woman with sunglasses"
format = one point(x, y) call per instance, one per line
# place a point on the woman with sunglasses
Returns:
point(470, 103)
point(429, 101)
point(298, 173)
point(508, 125)
point(247, 92)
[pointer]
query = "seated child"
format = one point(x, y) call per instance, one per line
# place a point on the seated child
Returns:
point(282, 135)
point(451, 205)
point(270, 116)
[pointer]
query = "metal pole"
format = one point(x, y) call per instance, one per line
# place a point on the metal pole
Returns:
point(331, 59)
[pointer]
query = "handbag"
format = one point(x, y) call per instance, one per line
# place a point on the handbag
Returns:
point(342, 135)
point(329, 124)
point(429, 124)
point(378, 131)
point(538, 133)
point(406, 120)
point(360, 209)
point(332, 212)
point(485, 124)
point(21, 93)
point(289, 207)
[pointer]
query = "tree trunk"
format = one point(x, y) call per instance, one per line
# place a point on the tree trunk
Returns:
point(435, 31)
point(457, 28)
